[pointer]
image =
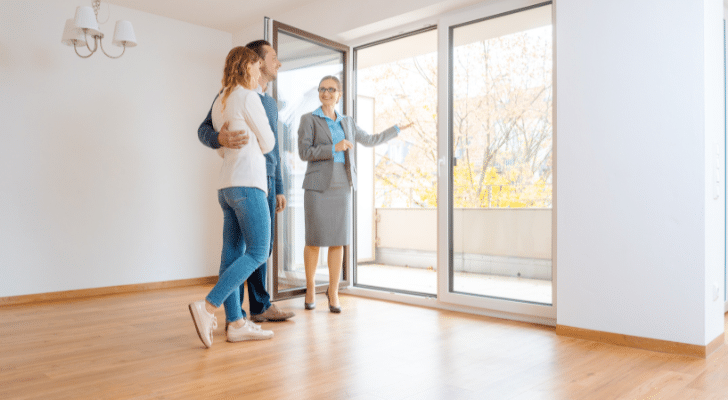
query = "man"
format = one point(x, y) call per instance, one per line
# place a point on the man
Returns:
point(261, 309)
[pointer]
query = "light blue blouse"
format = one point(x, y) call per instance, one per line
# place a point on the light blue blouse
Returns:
point(337, 132)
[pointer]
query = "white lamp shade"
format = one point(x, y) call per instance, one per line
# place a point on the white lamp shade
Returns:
point(124, 34)
point(71, 34)
point(85, 18)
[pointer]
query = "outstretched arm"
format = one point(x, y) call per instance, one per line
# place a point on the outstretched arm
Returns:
point(368, 140)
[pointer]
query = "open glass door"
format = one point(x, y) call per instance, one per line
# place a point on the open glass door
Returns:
point(305, 59)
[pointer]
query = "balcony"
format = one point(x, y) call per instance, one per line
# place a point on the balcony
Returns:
point(503, 253)
point(498, 252)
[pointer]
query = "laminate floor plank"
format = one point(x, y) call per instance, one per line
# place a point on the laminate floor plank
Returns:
point(144, 346)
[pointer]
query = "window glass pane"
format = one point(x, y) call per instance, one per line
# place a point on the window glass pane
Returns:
point(502, 142)
point(396, 83)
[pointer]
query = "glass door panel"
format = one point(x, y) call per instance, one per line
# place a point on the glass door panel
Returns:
point(501, 156)
point(396, 83)
point(305, 59)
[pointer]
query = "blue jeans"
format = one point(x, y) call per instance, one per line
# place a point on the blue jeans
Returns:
point(258, 296)
point(247, 219)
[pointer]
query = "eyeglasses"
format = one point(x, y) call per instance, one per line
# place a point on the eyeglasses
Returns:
point(324, 90)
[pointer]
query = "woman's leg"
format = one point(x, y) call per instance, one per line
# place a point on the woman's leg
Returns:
point(336, 258)
point(251, 211)
point(232, 248)
point(310, 261)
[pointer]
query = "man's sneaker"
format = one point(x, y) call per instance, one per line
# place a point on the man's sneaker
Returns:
point(204, 322)
point(272, 314)
point(249, 331)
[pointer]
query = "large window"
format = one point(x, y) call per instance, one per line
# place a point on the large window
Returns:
point(396, 83)
point(459, 207)
point(500, 149)
point(502, 141)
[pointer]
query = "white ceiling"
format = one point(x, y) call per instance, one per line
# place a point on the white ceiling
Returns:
point(225, 15)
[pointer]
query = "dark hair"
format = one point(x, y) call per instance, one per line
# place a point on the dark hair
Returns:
point(258, 46)
point(333, 78)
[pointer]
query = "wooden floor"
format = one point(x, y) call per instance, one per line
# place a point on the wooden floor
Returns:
point(144, 346)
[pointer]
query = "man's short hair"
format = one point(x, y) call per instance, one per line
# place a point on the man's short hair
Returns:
point(258, 46)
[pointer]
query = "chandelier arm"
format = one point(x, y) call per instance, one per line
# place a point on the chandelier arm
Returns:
point(79, 54)
point(96, 44)
point(107, 54)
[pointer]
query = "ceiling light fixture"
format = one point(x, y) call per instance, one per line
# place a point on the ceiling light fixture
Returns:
point(86, 23)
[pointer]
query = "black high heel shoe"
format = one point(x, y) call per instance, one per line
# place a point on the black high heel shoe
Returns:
point(310, 306)
point(333, 309)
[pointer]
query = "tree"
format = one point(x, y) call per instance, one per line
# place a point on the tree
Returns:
point(502, 123)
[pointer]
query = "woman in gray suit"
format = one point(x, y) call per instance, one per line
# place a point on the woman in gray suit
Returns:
point(325, 141)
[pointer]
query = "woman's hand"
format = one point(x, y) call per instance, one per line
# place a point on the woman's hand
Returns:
point(403, 127)
point(343, 145)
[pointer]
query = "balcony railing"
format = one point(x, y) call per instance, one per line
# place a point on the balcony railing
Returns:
point(505, 242)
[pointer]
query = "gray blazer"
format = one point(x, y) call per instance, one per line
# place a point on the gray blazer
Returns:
point(314, 146)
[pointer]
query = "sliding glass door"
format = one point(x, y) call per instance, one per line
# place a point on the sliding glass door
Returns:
point(498, 153)
point(396, 83)
point(460, 207)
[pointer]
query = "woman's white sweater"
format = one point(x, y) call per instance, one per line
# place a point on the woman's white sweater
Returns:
point(246, 166)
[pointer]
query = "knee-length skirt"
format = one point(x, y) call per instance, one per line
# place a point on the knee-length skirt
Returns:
point(328, 213)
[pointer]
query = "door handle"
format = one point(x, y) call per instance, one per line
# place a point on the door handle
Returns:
point(441, 164)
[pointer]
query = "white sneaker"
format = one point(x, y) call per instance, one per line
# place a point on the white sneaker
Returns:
point(256, 326)
point(249, 331)
point(204, 322)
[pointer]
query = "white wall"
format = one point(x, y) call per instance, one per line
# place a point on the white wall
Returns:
point(714, 284)
point(103, 179)
point(638, 231)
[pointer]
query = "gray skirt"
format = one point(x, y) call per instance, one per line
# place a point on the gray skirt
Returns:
point(328, 213)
